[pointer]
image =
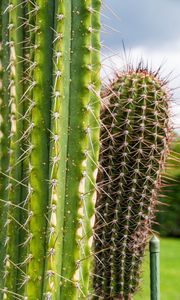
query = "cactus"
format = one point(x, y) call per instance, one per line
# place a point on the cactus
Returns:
point(49, 139)
point(49, 146)
point(135, 137)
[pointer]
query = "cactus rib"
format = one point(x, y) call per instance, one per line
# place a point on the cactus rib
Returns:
point(39, 157)
point(4, 130)
point(79, 96)
point(28, 103)
point(92, 154)
point(58, 152)
point(15, 180)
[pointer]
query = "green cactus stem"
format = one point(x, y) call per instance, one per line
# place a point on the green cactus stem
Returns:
point(39, 156)
point(92, 155)
point(71, 100)
point(28, 104)
point(14, 171)
point(4, 128)
point(59, 148)
point(54, 106)
point(134, 144)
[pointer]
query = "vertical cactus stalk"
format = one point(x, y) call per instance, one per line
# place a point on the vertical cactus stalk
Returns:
point(4, 129)
point(80, 92)
point(73, 53)
point(14, 175)
point(59, 148)
point(39, 139)
point(92, 156)
point(28, 104)
point(135, 136)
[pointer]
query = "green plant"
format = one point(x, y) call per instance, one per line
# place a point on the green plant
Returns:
point(49, 139)
point(135, 135)
point(167, 219)
point(49, 146)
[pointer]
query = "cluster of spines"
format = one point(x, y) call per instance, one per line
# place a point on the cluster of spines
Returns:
point(135, 137)
point(55, 129)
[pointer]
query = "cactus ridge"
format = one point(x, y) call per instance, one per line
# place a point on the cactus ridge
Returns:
point(135, 138)
point(4, 128)
point(79, 89)
point(39, 139)
point(91, 153)
point(61, 77)
point(28, 104)
point(14, 171)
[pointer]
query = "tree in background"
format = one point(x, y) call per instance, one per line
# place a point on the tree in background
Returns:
point(168, 217)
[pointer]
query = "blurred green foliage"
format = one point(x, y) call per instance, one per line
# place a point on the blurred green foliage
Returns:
point(168, 216)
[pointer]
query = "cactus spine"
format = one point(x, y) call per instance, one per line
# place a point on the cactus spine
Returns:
point(51, 100)
point(134, 145)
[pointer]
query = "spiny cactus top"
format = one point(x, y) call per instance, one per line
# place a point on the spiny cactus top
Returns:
point(135, 137)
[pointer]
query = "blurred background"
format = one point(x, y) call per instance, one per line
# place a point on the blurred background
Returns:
point(150, 30)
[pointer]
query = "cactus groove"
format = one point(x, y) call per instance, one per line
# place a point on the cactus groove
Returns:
point(134, 144)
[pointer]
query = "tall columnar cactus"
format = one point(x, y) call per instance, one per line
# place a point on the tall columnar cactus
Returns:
point(135, 135)
point(49, 146)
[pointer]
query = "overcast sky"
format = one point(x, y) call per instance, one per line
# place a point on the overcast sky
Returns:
point(149, 29)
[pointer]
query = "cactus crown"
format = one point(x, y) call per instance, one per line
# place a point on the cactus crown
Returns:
point(135, 136)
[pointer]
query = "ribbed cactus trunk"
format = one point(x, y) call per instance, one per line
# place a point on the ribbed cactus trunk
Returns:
point(50, 102)
point(135, 135)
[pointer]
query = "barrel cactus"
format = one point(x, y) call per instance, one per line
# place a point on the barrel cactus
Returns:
point(49, 139)
point(135, 136)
